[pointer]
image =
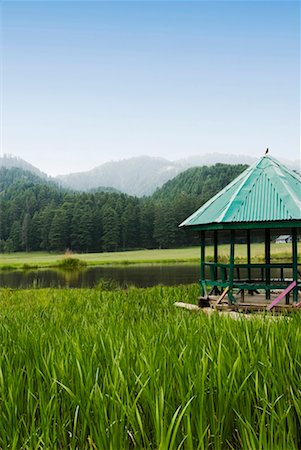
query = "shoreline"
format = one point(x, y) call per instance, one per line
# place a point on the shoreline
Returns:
point(33, 261)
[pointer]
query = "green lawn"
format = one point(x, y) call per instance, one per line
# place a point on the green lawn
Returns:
point(43, 259)
point(123, 370)
point(103, 258)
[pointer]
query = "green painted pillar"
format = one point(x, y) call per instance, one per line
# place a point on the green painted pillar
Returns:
point(231, 272)
point(249, 253)
point(203, 247)
point(215, 241)
point(267, 262)
point(295, 262)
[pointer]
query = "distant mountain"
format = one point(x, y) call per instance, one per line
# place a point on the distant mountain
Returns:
point(38, 214)
point(13, 169)
point(13, 175)
point(10, 161)
point(142, 175)
point(139, 176)
point(135, 176)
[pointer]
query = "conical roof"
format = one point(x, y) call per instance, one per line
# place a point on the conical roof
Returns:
point(265, 192)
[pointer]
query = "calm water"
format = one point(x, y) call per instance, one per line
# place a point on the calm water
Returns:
point(136, 275)
point(141, 276)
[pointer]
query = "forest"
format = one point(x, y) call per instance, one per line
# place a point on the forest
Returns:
point(37, 214)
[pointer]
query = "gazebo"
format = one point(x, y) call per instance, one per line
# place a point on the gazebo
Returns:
point(258, 206)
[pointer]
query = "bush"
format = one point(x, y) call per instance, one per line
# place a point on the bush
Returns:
point(71, 264)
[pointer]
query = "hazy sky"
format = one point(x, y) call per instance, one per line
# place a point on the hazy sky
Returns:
point(87, 82)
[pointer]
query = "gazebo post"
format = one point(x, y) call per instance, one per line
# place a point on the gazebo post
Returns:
point(249, 256)
point(295, 262)
point(267, 261)
point(215, 241)
point(249, 253)
point(203, 246)
point(231, 272)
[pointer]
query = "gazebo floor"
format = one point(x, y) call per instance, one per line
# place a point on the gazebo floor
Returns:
point(256, 302)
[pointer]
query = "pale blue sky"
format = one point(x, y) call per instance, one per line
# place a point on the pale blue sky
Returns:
point(87, 82)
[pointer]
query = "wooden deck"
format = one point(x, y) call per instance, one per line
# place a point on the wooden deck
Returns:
point(280, 302)
point(256, 302)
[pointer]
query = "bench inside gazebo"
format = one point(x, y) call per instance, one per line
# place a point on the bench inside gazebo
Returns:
point(258, 206)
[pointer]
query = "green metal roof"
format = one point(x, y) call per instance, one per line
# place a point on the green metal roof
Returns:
point(265, 192)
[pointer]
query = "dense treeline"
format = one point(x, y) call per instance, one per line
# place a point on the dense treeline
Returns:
point(38, 215)
point(201, 182)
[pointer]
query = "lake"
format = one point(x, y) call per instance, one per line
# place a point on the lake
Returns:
point(136, 275)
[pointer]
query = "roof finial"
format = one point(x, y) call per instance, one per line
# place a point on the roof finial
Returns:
point(267, 151)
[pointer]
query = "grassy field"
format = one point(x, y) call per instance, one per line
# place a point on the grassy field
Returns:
point(92, 369)
point(41, 259)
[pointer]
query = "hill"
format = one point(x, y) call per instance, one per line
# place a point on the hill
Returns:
point(139, 176)
point(199, 182)
point(15, 177)
point(37, 214)
point(13, 169)
point(135, 176)
point(10, 161)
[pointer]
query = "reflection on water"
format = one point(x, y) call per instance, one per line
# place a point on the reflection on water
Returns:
point(136, 275)
point(140, 276)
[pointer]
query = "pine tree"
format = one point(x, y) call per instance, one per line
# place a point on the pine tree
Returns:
point(110, 237)
point(25, 233)
point(130, 227)
point(58, 231)
point(45, 218)
point(35, 236)
point(147, 218)
point(165, 227)
point(15, 236)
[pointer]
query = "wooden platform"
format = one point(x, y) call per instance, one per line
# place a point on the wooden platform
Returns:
point(251, 304)
point(256, 302)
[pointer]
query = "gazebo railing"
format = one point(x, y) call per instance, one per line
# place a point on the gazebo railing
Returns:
point(249, 277)
point(224, 269)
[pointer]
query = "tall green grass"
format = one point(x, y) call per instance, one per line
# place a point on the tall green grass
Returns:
point(95, 369)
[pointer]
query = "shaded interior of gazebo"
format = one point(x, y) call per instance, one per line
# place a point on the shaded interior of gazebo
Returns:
point(239, 269)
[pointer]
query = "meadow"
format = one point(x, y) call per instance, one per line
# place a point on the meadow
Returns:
point(125, 369)
point(191, 254)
